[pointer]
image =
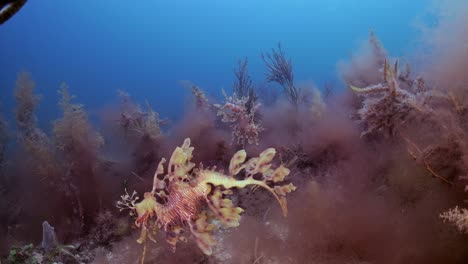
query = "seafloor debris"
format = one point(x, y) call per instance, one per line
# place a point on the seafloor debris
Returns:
point(176, 200)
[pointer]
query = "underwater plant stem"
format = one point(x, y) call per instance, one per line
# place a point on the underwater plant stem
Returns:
point(436, 175)
point(428, 167)
point(143, 254)
point(256, 257)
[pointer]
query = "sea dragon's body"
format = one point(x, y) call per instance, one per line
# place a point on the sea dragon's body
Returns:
point(177, 200)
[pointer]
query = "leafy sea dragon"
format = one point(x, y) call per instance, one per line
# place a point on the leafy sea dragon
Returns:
point(176, 200)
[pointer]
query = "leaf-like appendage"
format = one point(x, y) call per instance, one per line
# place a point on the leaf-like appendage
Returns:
point(261, 164)
point(370, 89)
point(202, 233)
point(224, 209)
point(179, 164)
point(251, 167)
point(157, 183)
point(235, 165)
point(187, 149)
point(145, 208)
point(174, 235)
point(264, 160)
point(280, 174)
point(284, 189)
point(281, 191)
point(176, 168)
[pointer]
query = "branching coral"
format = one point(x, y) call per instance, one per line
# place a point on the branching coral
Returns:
point(175, 201)
point(242, 119)
point(280, 71)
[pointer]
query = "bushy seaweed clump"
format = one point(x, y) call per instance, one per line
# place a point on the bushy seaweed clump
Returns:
point(73, 134)
point(429, 121)
point(365, 193)
point(142, 131)
point(137, 121)
point(32, 138)
point(64, 165)
point(78, 146)
point(405, 107)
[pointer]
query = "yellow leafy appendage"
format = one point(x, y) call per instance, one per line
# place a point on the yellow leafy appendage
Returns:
point(177, 200)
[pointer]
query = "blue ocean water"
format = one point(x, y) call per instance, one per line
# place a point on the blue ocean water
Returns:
point(147, 47)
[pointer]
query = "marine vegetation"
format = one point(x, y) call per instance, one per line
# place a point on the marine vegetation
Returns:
point(387, 105)
point(240, 113)
point(3, 140)
point(404, 107)
point(243, 86)
point(175, 201)
point(134, 120)
point(395, 105)
point(367, 171)
point(280, 71)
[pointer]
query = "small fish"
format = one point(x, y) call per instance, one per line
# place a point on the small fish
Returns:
point(9, 8)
